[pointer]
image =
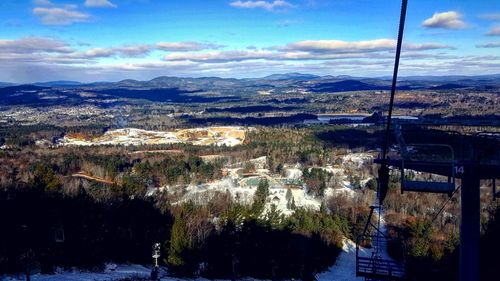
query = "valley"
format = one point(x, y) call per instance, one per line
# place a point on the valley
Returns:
point(284, 163)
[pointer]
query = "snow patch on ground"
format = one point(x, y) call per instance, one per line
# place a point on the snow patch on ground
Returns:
point(293, 171)
point(344, 268)
point(357, 159)
point(219, 136)
point(242, 186)
point(120, 272)
point(200, 194)
point(346, 191)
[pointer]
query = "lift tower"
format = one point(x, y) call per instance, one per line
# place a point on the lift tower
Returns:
point(468, 158)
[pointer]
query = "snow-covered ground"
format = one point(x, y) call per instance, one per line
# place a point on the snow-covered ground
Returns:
point(293, 171)
point(111, 273)
point(277, 197)
point(382, 249)
point(346, 191)
point(244, 194)
point(200, 193)
point(229, 136)
point(350, 162)
point(344, 269)
point(357, 159)
point(242, 187)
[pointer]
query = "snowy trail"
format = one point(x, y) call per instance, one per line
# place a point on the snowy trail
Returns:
point(382, 250)
point(344, 268)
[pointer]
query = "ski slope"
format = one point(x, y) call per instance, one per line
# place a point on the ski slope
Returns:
point(344, 268)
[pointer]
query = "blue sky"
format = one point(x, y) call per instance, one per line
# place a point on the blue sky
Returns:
point(95, 40)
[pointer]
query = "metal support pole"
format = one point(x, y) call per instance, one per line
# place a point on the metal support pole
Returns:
point(470, 225)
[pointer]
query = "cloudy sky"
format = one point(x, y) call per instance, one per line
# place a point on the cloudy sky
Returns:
point(97, 40)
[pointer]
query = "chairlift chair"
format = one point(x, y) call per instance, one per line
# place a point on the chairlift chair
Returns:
point(429, 186)
point(411, 156)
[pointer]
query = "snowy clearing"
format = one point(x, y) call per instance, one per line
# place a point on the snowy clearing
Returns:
point(228, 136)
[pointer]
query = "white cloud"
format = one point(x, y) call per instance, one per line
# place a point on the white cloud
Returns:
point(489, 45)
point(338, 46)
point(492, 16)
point(307, 50)
point(221, 56)
point(269, 6)
point(186, 46)
point(66, 15)
point(30, 45)
point(42, 2)
point(495, 31)
point(447, 20)
point(99, 4)
point(55, 58)
point(426, 46)
point(128, 51)
point(52, 69)
point(134, 50)
point(94, 53)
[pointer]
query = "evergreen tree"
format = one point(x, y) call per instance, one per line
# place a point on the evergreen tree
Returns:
point(292, 204)
point(274, 217)
point(263, 189)
point(133, 185)
point(260, 196)
point(46, 179)
point(289, 194)
point(322, 208)
point(420, 232)
point(179, 243)
point(289, 197)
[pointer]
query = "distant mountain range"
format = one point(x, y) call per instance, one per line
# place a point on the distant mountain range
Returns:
point(447, 78)
point(207, 89)
point(291, 76)
point(308, 82)
point(6, 84)
point(162, 81)
point(57, 83)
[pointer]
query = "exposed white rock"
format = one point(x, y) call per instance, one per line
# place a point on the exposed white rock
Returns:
point(219, 136)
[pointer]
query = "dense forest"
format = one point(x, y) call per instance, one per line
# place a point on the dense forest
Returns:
point(52, 218)
point(47, 228)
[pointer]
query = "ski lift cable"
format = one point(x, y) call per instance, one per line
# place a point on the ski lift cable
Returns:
point(434, 218)
point(402, 19)
point(444, 205)
point(383, 172)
